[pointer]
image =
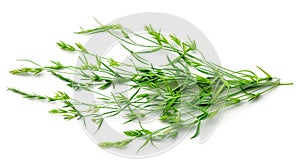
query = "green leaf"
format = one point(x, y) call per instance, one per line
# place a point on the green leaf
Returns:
point(61, 96)
point(105, 85)
point(113, 63)
point(99, 122)
point(266, 73)
point(192, 44)
point(150, 51)
point(146, 131)
point(23, 71)
point(142, 95)
point(197, 130)
point(141, 147)
point(254, 96)
point(66, 47)
point(27, 95)
point(232, 100)
point(155, 34)
point(213, 113)
point(80, 46)
point(102, 28)
point(175, 39)
point(125, 34)
point(57, 65)
point(138, 133)
point(117, 144)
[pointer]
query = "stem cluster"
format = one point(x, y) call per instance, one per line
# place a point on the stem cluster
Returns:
point(185, 92)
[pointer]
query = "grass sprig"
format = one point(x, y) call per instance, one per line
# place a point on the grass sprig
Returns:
point(185, 92)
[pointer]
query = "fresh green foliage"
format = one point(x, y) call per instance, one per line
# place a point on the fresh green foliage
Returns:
point(138, 133)
point(113, 63)
point(65, 46)
point(26, 70)
point(69, 111)
point(117, 144)
point(185, 92)
point(58, 95)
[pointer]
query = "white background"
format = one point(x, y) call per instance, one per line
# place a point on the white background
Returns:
point(264, 133)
